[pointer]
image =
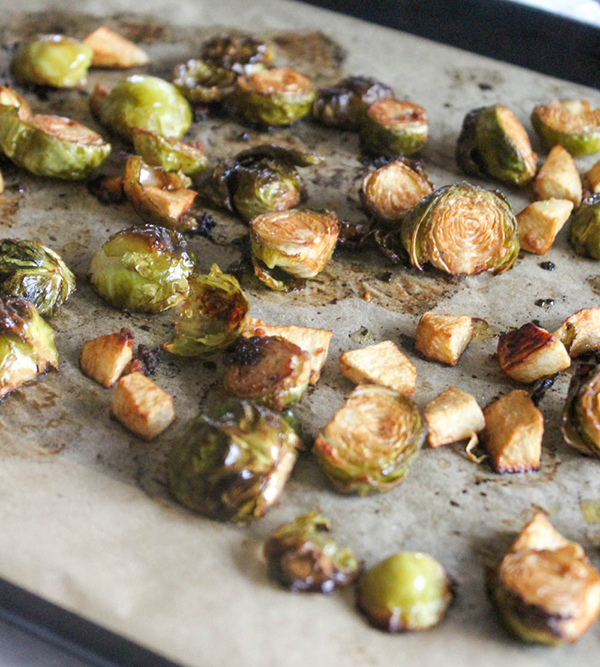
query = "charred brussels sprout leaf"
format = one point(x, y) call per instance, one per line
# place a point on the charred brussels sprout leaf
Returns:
point(394, 128)
point(581, 415)
point(407, 591)
point(168, 153)
point(274, 97)
point(584, 231)
point(301, 556)
point(493, 142)
point(572, 124)
point(146, 102)
point(202, 82)
point(462, 229)
point(213, 315)
point(51, 60)
point(369, 444)
point(233, 464)
point(142, 269)
point(344, 105)
point(36, 273)
point(26, 343)
point(242, 54)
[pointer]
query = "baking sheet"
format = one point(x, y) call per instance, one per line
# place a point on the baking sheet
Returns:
point(86, 519)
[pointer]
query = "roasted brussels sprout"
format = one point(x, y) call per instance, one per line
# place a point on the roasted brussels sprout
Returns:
point(26, 343)
point(146, 102)
point(213, 315)
point(391, 191)
point(368, 445)
point(301, 556)
point(298, 241)
point(203, 83)
point(271, 97)
point(49, 145)
point(232, 465)
point(36, 273)
point(584, 231)
point(51, 60)
point(572, 124)
point(242, 54)
point(494, 143)
point(168, 153)
point(159, 197)
point(462, 229)
point(407, 591)
point(268, 370)
point(142, 269)
point(344, 105)
point(393, 128)
point(581, 415)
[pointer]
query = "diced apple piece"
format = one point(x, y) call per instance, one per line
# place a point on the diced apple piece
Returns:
point(451, 416)
point(172, 203)
point(591, 180)
point(580, 333)
point(114, 51)
point(540, 222)
point(443, 337)
point(558, 178)
point(104, 359)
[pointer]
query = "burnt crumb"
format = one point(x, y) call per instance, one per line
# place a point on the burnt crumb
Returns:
point(375, 160)
point(408, 342)
point(454, 503)
point(541, 387)
point(544, 303)
point(484, 86)
point(536, 322)
point(145, 360)
point(206, 224)
point(210, 365)
point(245, 352)
point(385, 276)
point(548, 266)
point(145, 327)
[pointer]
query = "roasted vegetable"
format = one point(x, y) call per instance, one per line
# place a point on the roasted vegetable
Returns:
point(272, 97)
point(111, 50)
point(104, 359)
point(393, 128)
point(451, 416)
point(268, 370)
point(242, 54)
point(584, 232)
point(142, 269)
point(462, 229)
point(212, 317)
point(391, 191)
point(38, 274)
point(168, 153)
point(572, 124)
point(494, 143)
point(443, 338)
point(51, 60)
point(580, 333)
point(545, 588)
point(344, 105)
point(26, 343)
point(581, 415)
point(232, 465)
point(146, 102)
point(382, 364)
point(369, 444)
point(540, 222)
point(301, 556)
point(591, 181)
point(406, 591)
point(203, 83)
point(559, 178)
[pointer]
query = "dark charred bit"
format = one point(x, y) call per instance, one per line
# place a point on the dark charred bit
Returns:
point(206, 224)
point(200, 113)
point(408, 342)
point(385, 276)
point(388, 244)
point(245, 352)
point(375, 160)
point(536, 322)
point(107, 189)
point(548, 266)
point(145, 360)
point(544, 303)
point(354, 236)
point(540, 388)
point(484, 86)
point(210, 365)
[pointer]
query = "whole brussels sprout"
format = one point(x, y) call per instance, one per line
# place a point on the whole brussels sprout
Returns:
point(462, 229)
point(581, 414)
point(142, 269)
point(203, 83)
point(232, 465)
point(407, 591)
point(493, 142)
point(51, 60)
point(168, 153)
point(213, 315)
point(584, 231)
point(142, 101)
point(301, 556)
point(393, 128)
point(36, 273)
point(242, 54)
point(572, 124)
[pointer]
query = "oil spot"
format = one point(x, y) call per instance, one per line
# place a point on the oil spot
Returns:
point(10, 201)
point(591, 511)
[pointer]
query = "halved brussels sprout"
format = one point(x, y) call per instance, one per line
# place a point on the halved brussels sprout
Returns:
point(581, 414)
point(168, 153)
point(212, 317)
point(243, 54)
point(369, 444)
point(344, 105)
point(393, 128)
point(50, 145)
point(462, 229)
point(232, 465)
point(159, 197)
point(298, 241)
point(572, 124)
point(203, 83)
point(407, 591)
point(493, 142)
point(26, 343)
point(142, 269)
point(269, 370)
point(391, 191)
point(146, 102)
point(301, 556)
point(36, 273)
point(272, 97)
point(584, 231)
point(51, 60)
